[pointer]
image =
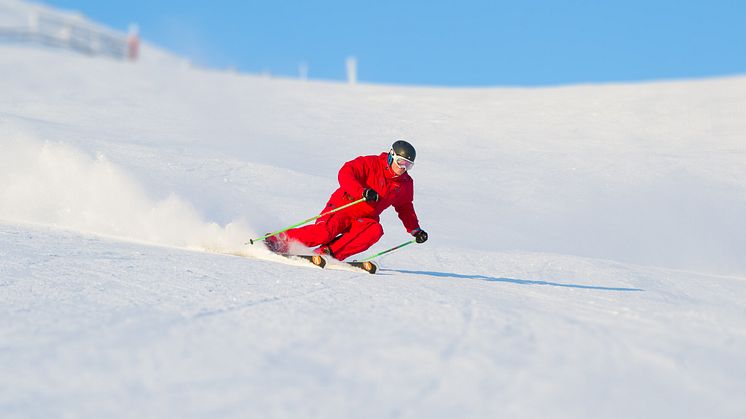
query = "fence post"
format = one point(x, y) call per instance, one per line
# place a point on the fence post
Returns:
point(133, 42)
point(66, 35)
point(33, 22)
point(351, 70)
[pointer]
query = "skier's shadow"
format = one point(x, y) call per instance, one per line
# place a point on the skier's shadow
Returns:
point(509, 280)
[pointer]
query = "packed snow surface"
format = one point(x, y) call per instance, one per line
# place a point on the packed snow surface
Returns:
point(587, 252)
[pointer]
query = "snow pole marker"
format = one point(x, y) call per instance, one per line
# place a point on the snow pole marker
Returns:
point(388, 250)
point(305, 221)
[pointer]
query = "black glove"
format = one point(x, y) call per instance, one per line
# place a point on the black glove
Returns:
point(420, 235)
point(370, 195)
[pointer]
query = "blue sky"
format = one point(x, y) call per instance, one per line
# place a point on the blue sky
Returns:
point(446, 43)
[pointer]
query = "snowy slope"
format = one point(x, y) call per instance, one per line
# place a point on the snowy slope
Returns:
point(567, 229)
point(92, 327)
point(647, 174)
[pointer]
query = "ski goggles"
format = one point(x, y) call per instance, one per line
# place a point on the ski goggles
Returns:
point(403, 162)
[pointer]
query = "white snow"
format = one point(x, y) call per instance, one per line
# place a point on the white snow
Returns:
point(586, 255)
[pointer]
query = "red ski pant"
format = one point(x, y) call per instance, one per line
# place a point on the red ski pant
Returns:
point(342, 234)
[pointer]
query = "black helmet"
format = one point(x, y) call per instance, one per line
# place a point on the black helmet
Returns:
point(404, 149)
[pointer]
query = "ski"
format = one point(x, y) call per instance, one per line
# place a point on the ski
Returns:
point(317, 260)
point(321, 262)
point(367, 266)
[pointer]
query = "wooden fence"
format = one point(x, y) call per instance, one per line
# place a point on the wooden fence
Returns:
point(68, 31)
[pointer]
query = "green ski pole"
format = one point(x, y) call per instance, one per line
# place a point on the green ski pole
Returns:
point(389, 250)
point(305, 221)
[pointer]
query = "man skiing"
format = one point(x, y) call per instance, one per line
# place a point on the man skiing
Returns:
point(383, 180)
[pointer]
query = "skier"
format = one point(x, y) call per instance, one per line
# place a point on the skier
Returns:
point(383, 180)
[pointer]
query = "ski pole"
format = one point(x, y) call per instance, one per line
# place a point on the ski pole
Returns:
point(389, 250)
point(305, 221)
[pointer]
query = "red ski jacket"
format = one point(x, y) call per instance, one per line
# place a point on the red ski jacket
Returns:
point(374, 172)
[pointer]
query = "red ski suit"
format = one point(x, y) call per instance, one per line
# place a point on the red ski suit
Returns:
point(356, 228)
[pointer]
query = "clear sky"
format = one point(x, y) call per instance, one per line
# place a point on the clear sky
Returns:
point(445, 43)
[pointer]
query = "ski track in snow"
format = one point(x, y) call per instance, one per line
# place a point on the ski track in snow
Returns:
point(496, 341)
